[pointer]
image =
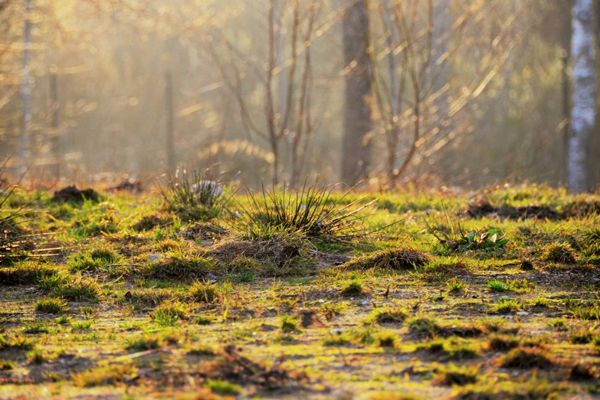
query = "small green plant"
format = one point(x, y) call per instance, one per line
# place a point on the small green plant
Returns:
point(289, 324)
point(507, 306)
point(453, 236)
point(50, 305)
point(203, 291)
point(81, 326)
point(15, 342)
point(590, 313)
point(558, 323)
point(223, 388)
point(456, 285)
point(142, 343)
point(496, 285)
point(169, 313)
point(36, 356)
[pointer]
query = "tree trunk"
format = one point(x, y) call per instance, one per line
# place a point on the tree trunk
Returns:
point(356, 144)
point(442, 25)
point(170, 125)
point(583, 110)
point(55, 124)
point(25, 141)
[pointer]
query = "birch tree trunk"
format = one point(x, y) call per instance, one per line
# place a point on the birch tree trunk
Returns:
point(356, 145)
point(583, 110)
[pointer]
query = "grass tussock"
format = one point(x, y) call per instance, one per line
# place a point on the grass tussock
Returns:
point(194, 195)
point(179, 267)
point(101, 376)
point(170, 313)
point(396, 259)
point(310, 212)
point(455, 375)
point(26, 273)
point(389, 315)
point(50, 305)
point(283, 254)
point(527, 358)
point(203, 291)
point(561, 253)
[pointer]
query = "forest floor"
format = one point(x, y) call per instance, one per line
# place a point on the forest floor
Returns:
point(492, 295)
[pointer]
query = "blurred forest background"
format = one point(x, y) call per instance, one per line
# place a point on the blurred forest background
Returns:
point(456, 92)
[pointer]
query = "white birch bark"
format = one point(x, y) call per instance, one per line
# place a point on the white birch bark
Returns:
point(583, 110)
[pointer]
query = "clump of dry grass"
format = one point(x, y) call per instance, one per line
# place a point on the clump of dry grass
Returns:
point(280, 255)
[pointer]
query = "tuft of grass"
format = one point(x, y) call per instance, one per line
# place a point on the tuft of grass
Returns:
point(453, 237)
point(424, 327)
point(496, 285)
point(51, 305)
point(15, 342)
point(386, 339)
point(389, 315)
point(395, 259)
point(590, 313)
point(499, 342)
point(203, 291)
point(526, 358)
point(534, 388)
point(289, 325)
point(78, 289)
point(142, 343)
point(561, 253)
point(169, 313)
point(453, 349)
point(94, 261)
point(457, 375)
point(25, 273)
point(223, 388)
point(455, 285)
point(309, 211)
point(178, 267)
point(353, 288)
point(194, 195)
point(108, 375)
point(36, 357)
point(508, 306)
point(584, 372)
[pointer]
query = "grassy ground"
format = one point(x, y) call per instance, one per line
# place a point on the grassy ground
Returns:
point(385, 296)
